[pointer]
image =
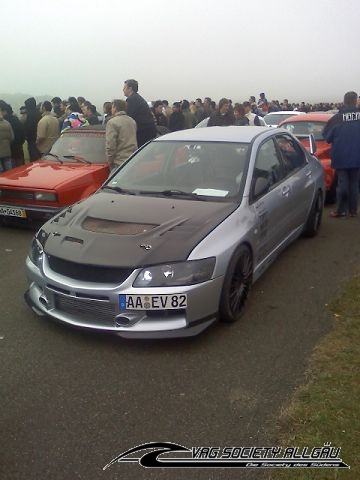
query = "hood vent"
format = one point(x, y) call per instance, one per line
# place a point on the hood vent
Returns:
point(99, 225)
point(74, 240)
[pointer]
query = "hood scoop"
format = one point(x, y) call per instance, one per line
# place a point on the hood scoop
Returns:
point(99, 225)
point(73, 240)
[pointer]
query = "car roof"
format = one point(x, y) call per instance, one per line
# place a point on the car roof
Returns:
point(309, 117)
point(242, 134)
point(284, 112)
point(89, 129)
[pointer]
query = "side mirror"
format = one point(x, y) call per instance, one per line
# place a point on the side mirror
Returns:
point(312, 144)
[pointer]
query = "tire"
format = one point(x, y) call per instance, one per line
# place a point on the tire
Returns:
point(237, 284)
point(314, 219)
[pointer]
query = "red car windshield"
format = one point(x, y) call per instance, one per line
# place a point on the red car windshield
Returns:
point(90, 148)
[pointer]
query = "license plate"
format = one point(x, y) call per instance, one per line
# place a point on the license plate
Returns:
point(152, 302)
point(12, 212)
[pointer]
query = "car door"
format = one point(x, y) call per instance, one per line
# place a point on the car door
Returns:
point(297, 179)
point(269, 197)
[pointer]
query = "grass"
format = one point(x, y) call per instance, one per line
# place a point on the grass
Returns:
point(327, 407)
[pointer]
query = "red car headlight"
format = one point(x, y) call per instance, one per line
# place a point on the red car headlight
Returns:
point(45, 196)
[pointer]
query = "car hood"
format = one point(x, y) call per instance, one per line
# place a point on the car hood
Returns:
point(46, 175)
point(129, 231)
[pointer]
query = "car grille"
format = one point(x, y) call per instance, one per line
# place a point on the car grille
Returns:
point(92, 312)
point(89, 273)
point(18, 194)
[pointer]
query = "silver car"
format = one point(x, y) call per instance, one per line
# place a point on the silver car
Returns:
point(177, 235)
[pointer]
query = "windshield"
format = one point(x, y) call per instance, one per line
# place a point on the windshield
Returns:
point(276, 118)
point(306, 128)
point(203, 170)
point(70, 146)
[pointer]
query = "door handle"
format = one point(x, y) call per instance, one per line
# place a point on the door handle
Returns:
point(285, 191)
point(308, 173)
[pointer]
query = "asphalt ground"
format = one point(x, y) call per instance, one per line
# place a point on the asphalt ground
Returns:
point(72, 401)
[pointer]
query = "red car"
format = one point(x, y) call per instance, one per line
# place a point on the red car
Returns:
point(74, 168)
point(314, 123)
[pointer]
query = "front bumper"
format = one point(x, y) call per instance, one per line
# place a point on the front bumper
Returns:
point(96, 306)
point(33, 212)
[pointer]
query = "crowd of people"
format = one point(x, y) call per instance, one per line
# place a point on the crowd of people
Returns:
point(40, 125)
point(130, 124)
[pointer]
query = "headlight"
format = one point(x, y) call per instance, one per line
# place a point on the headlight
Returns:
point(45, 196)
point(176, 274)
point(36, 252)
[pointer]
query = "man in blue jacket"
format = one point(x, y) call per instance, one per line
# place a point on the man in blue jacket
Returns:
point(343, 132)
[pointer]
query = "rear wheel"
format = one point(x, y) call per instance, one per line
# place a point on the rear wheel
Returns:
point(314, 219)
point(237, 284)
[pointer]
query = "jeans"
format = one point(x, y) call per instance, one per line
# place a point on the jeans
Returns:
point(347, 191)
point(5, 164)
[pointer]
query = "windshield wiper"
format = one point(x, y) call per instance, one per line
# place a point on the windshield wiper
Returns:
point(77, 158)
point(119, 190)
point(54, 156)
point(173, 193)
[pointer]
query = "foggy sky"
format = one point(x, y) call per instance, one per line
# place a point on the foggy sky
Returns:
point(302, 50)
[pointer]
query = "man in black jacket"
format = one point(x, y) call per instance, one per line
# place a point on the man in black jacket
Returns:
point(32, 119)
point(223, 116)
point(343, 133)
point(138, 109)
point(177, 119)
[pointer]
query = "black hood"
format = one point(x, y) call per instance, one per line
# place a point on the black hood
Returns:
point(129, 231)
point(30, 104)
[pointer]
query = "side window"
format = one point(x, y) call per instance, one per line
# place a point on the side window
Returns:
point(268, 170)
point(291, 153)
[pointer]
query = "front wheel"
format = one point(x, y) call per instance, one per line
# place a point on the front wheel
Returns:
point(314, 219)
point(237, 284)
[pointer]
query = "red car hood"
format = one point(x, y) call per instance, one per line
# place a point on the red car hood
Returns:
point(47, 175)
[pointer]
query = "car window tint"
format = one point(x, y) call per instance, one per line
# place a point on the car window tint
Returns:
point(268, 166)
point(205, 168)
point(146, 169)
point(291, 153)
